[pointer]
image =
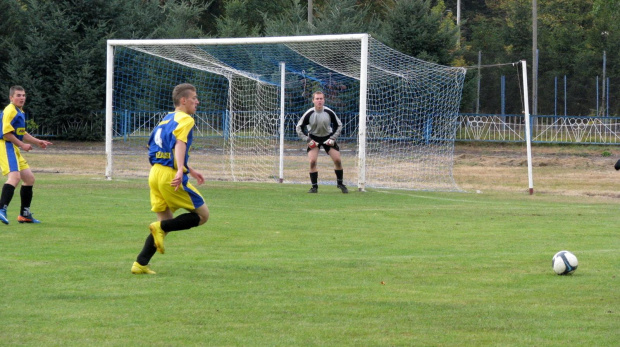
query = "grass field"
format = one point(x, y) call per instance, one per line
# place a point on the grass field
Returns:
point(275, 266)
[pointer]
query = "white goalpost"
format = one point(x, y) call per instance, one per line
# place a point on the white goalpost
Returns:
point(399, 113)
point(528, 136)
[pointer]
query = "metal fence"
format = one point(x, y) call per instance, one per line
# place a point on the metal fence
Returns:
point(544, 129)
point(470, 127)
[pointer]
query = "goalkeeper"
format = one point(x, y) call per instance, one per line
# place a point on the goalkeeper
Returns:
point(320, 127)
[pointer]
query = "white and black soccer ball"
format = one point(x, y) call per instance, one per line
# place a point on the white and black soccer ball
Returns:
point(564, 263)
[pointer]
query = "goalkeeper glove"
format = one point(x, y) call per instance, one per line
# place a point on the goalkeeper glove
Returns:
point(329, 143)
point(312, 144)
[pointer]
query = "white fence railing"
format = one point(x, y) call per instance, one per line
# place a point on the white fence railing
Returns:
point(544, 129)
point(470, 127)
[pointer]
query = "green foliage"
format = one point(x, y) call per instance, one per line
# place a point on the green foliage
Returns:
point(56, 49)
point(572, 35)
point(344, 17)
point(242, 18)
point(235, 23)
point(292, 21)
point(334, 17)
point(416, 29)
point(31, 126)
point(58, 52)
point(382, 268)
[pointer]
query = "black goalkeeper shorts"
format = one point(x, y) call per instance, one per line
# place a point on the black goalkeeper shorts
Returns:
point(320, 141)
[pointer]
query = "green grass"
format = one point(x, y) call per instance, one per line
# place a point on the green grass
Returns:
point(275, 266)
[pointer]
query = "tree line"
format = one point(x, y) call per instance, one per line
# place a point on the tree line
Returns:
point(56, 49)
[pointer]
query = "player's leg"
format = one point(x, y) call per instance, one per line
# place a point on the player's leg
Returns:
point(9, 162)
point(334, 153)
point(8, 191)
point(158, 205)
point(188, 198)
point(25, 192)
point(141, 265)
point(313, 155)
point(203, 213)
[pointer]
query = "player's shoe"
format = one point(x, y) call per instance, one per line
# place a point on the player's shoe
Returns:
point(314, 190)
point(3, 218)
point(158, 236)
point(343, 188)
point(138, 269)
point(27, 219)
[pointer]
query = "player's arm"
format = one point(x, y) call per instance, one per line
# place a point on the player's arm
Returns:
point(179, 150)
point(16, 142)
point(336, 124)
point(31, 139)
point(302, 126)
point(197, 175)
point(179, 157)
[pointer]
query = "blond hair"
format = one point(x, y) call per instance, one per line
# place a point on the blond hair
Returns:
point(13, 89)
point(181, 91)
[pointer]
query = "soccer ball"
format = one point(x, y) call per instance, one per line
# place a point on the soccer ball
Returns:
point(564, 263)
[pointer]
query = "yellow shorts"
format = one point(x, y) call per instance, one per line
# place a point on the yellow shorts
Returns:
point(164, 196)
point(11, 158)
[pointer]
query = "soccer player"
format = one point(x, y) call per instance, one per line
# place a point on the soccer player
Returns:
point(320, 127)
point(169, 147)
point(14, 139)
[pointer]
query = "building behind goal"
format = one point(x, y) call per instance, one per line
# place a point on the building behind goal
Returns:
point(399, 113)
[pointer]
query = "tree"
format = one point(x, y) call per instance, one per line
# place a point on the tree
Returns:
point(59, 54)
point(235, 23)
point(242, 18)
point(416, 29)
point(333, 17)
point(604, 36)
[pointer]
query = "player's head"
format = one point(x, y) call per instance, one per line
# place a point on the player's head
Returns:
point(318, 99)
point(184, 97)
point(17, 96)
point(182, 91)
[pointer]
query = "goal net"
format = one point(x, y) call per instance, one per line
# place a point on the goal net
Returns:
point(398, 113)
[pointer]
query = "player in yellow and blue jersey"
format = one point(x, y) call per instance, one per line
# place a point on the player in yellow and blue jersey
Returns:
point(169, 147)
point(14, 139)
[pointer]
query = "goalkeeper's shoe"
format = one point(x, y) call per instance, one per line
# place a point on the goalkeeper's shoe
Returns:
point(314, 190)
point(158, 236)
point(138, 269)
point(3, 218)
point(27, 219)
point(343, 188)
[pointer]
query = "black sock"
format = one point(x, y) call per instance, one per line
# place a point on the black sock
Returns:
point(314, 178)
point(148, 251)
point(339, 174)
point(7, 195)
point(181, 222)
point(26, 195)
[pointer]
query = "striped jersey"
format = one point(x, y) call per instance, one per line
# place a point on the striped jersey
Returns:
point(13, 121)
point(175, 126)
point(319, 124)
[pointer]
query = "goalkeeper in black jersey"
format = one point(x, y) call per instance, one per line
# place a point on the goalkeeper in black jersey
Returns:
point(320, 127)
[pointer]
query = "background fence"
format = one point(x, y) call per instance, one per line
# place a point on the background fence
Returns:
point(470, 127)
point(544, 129)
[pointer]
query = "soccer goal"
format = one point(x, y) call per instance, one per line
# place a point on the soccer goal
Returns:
point(399, 113)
